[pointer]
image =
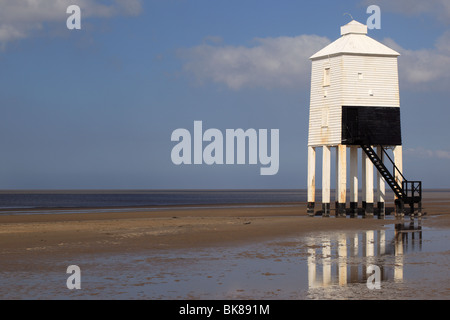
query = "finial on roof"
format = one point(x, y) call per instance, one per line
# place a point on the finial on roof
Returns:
point(354, 27)
point(349, 15)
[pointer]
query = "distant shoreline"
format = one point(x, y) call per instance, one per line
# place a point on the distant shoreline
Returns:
point(68, 210)
point(137, 191)
point(97, 201)
point(149, 191)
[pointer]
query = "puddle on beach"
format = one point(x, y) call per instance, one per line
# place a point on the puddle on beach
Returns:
point(412, 262)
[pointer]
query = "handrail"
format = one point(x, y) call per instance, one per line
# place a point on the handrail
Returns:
point(368, 135)
point(416, 186)
point(393, 163)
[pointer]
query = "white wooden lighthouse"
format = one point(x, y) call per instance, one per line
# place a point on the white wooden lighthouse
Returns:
point(354, 106)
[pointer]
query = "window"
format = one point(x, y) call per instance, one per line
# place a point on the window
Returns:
point(326, 77)
point(360, 76)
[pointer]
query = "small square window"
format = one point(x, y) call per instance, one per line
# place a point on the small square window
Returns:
point(326, 77)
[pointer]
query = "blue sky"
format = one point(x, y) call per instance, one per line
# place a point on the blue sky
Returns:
point(96, 107)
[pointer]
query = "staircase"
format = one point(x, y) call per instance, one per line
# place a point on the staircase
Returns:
point(409, 192)
point(388, 177)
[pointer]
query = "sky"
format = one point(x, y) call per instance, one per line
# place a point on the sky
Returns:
point(95, 108)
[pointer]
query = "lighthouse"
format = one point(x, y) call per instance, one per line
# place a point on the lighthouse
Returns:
point(355, 109)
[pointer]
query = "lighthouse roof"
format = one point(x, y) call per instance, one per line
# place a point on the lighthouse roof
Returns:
point(354, 40)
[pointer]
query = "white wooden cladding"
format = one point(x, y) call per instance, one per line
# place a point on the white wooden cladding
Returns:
point(354, 80)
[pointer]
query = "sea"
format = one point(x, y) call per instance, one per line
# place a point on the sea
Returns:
point(14, 201)
point(72, 201)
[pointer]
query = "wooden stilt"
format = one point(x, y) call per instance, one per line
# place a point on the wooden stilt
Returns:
point(311, 180)
point(326, 181)
point(353, 181)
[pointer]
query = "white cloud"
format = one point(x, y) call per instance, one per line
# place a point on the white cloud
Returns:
point(438, 9)
point(427, 153)
point(424, 69)
point(19, 19)
point(429, 68)
point(272, 62)
point(283, 62)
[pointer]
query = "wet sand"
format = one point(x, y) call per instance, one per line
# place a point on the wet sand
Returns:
point(176, 228)
point(41, 243)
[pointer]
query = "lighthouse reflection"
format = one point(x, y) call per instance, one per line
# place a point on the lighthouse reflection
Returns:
point(342, 259)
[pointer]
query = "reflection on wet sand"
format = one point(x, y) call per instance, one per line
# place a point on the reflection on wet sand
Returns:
point(345, 258)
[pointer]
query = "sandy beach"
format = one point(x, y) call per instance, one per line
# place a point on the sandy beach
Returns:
point(42, 243)
point(175, 228)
